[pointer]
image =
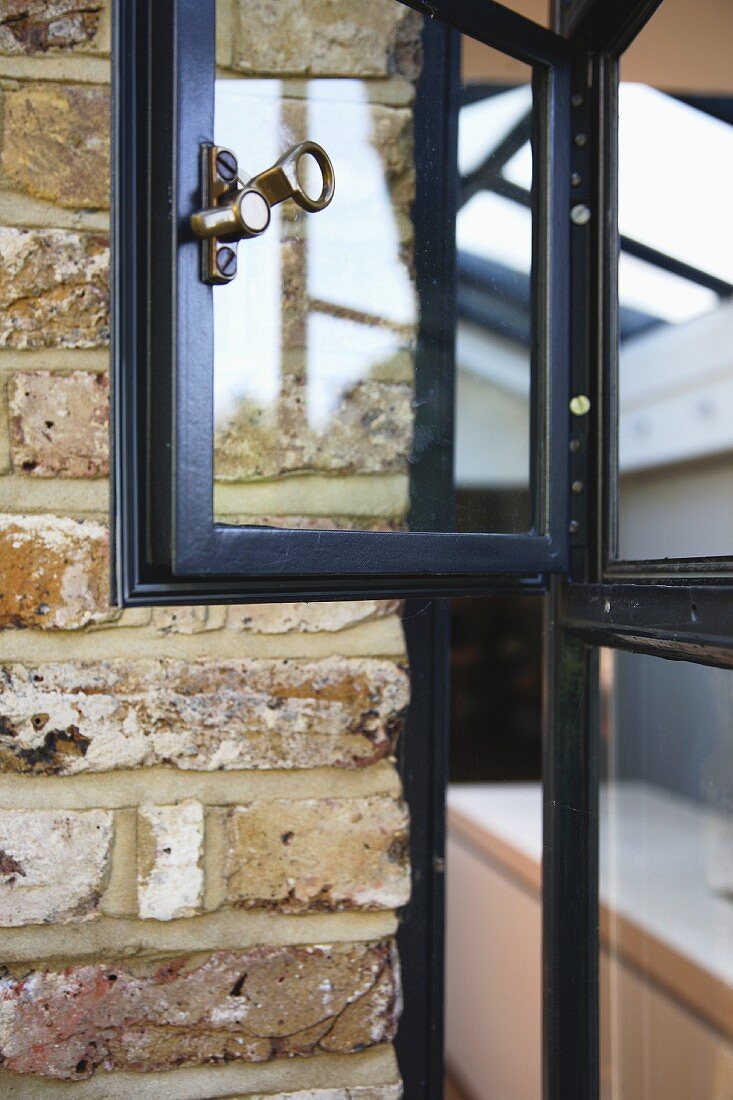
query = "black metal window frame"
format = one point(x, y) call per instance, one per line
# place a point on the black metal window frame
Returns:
point(605, 29)
point(167, 546)
point(675, 602)
point(675, 609)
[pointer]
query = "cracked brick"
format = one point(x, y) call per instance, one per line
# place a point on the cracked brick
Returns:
point(33, 26)
point(249, 1006)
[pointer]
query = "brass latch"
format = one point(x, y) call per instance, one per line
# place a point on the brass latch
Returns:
point(235, 210)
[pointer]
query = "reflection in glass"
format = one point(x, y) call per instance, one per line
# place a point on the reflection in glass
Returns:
point(315, 340)
point(494, 246)
point(666, 880)
point(676, 296)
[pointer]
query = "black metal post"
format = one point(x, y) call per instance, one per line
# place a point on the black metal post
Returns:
point(424, 769)
point(570, 864)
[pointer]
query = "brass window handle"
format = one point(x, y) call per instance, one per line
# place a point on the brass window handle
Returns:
point(281, 181)
point(235, 210)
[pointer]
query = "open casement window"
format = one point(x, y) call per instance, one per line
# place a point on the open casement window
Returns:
point(529, 343)
point(315, 359)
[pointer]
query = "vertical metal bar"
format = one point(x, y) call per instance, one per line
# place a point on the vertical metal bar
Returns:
point(193, 489)
point(553, 173)
point(434, 215)
point(582, 153)
point(423, 767)
point(160, 219)
point(606, 385)
point(570, 864)
point(423, 750)
point(127, 87)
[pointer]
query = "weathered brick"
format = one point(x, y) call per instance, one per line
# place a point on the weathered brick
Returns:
point(188, 620)
point(313, 853)
point(170, 848)
point(54, 289)
point(306, 618)
point(53, 573)
point(294, 302)
point(284, 618)
point(27, 26)
point(59, 423)
point(56, 143)
point(326, 38)
point(369, 431)
point(203, 715)
point(393, 137)
point(247, 1006)
point(52, 864)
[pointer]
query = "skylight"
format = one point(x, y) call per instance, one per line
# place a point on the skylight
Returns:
point(675, 173)
point(675, 178)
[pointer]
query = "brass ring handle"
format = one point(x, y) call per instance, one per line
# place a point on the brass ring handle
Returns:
point(281, 182)
point(235, 210)
point(322, 159)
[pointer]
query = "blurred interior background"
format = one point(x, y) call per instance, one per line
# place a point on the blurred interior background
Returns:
point(667, 728)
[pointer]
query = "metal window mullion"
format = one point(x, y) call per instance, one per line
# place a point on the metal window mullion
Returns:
point(570, 864)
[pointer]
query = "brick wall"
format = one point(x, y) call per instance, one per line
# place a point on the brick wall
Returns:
point(202, 838)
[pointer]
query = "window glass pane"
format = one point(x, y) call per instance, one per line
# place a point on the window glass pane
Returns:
point(494, 247)
point(317, 337)
point(676, 287)
point(493, 1002)
point(666, 880)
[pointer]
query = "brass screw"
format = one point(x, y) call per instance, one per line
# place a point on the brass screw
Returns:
point(573, 527)
point(226, 165)
point(577, 487)
point(226, 262)
point(580, 404)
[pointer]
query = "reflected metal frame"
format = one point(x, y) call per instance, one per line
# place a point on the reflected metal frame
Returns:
point(168, 548)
